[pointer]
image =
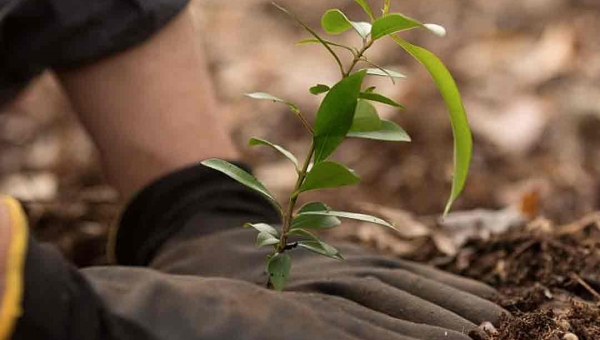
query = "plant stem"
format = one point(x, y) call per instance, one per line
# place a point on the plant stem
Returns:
point(304, 121)
point(287, 222)
point(358, 57)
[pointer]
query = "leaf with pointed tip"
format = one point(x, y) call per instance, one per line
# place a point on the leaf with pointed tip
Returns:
point(328, 175)
point(463, 141)
point(396, 22)
point(376, 97)
point(314, 221)
point(278, 267)
point(370, 89)
point(267, 96)
point(319, 88)
point(365, 118)
point(265, 239)
point(389, 132)
point(242, 177)
point(385, 73)
point(321, 248)
point(353, 216)
point(335, 115)
point(365, 6)
point(257, 141)
point(263, 228)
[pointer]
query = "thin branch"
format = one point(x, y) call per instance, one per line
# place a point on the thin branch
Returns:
point(365, 60)
point(314, 34)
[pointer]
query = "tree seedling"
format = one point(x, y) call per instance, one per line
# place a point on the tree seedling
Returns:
point(346, 111)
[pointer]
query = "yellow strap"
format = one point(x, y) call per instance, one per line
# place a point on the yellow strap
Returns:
point(10, 308)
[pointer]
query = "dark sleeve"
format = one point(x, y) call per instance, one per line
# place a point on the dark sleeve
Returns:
point(59, 303)
point(179, 200)
point(40, 34)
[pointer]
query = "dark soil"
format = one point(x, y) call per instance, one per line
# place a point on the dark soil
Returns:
point(549, 278)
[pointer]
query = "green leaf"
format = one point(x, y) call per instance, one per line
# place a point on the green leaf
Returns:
point(385, 73)
point(335, 21)
point(266, 239)
point(241, 176)
point(365, 118)
point(328, 175)
point(354, 216)
point(389, 132)
point(287, 154)
point(376, 97)
point(314, 221)
point(278, 267)
point(370, 89)
point(463, 141)
point(319, 88)
point(267, 96)
point(386, 6)
point(396, 22)
point(365, 6)
point(263, 228)
point(321, 248)
point(335, 115)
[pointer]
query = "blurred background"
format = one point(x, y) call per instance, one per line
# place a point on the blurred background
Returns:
point(528, 70)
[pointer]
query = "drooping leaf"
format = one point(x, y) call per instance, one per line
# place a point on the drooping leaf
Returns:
point(376, 97)
point(385, 73)
point(335, 115)
point(396, 22)
point(335, 21)
point(365, 6)
point(354, 216)
point(328, 175)
point(321, 248)
point(265, 239)
point(463, 141)
point(267, 96)
point(287, 154)
point(389, 132)
point(278, 267)
point(314, 221)
point(241, 176)
point(263, 228)
point(365, 118)
point(319, 88)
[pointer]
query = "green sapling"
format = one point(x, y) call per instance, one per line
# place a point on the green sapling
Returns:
point(346, 111)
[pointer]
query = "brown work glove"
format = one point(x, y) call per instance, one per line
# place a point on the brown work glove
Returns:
point(190, 222)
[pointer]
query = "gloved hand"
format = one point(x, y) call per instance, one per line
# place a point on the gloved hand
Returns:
point(367, 295)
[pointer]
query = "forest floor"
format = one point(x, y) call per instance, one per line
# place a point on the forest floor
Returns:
point(528, 71)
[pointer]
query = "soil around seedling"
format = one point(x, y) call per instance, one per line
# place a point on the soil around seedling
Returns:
point(549, 278)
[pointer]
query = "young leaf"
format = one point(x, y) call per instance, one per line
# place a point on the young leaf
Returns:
point(365, 117)
point(241, 176)
point(463, 142)
point(319, 88)
point(335, 115)
point(365, 6)
point(265, 239)
point(354, 216)
point(376, 97)
point(267, 96)
point(396, 22)
point(335, 21)
point(385, 73)
point(328, 175)
point(263, 228)
point(321, 248)
point(314, 221)
point(278, 267)
point(287, 154)
point(389, 132)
